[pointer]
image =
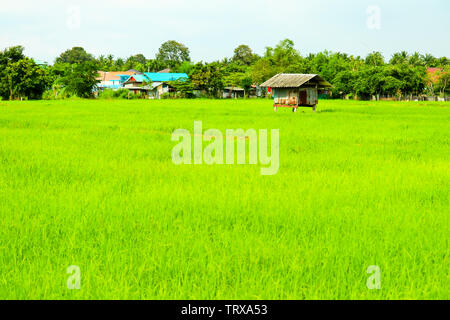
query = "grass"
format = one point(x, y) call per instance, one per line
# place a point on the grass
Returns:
point(92, 184)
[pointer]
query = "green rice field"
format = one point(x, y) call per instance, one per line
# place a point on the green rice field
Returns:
point(91, 183)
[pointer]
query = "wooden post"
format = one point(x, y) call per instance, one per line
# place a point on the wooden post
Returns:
point(314, 107)
point(275, 108)
point(294, 109)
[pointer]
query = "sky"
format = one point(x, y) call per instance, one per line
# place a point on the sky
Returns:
point(211, 29)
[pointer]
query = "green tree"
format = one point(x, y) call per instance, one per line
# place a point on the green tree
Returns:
point(119, 64)
point(26, 79)
point(238, 80)
point(186, 67)
point(137, 62)
point(399, 58)
point(443, 80)
point(371, 81)
point(284, 56)
point(106, 63)
point(392, 86)
point(184, 88)
point(430, 61)
point(375, 59)
point(78, 79)
point(154, 65)
point(441, 62)
point(344, 83)
point(139, 58)
point(7, 57)
point(329, 65)
point(74, 55)
point(262, 70)
point(244, 55)
point(207, 77)
point(20, 77)
point(102, 64)
point(413, 79)
point(416, 60)
point(173, 53)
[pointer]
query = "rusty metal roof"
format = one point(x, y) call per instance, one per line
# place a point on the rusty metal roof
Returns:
point(295, 80)
point(112, 75)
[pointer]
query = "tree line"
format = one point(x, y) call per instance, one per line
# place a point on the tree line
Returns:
point(74, 72)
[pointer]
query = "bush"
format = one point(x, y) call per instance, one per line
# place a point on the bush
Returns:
point(168, 95)
point(120, 94)
point(106, 94)
point(137, 96)
point(57, 93)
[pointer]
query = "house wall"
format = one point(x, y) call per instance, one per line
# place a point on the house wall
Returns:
point(233, 94)
point(110, 83)
point(312, 97)
point(153, 94)
point(162, 88)
point(132, 84)
point(295, 96)
point(286, 96)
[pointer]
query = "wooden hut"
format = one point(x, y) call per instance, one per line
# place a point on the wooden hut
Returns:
point(296, 90)
point(233, 93)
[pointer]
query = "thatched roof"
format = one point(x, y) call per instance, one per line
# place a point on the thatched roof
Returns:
point(295, 80)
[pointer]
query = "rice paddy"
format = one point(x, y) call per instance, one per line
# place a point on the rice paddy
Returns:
point(92, 184)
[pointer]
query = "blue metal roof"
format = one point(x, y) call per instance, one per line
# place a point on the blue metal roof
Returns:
point(164, 77)
point(157, 77)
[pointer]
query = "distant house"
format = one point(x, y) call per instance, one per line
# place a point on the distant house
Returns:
point(296, 90)
point(138, 83)
point(113, 79)
point(158, 83)
point(151, 84)
point(233, 93)
point(159, 88)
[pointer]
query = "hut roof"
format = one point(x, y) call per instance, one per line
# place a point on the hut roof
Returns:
point(294, 80)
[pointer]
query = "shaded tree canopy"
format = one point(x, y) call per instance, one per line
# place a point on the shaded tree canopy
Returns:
point(74, 55)
point(207, 77)
point(20, 77)
point(244, 55)
point(173, 53)
point(375, 59)
point(78, 79)
point(139, 58)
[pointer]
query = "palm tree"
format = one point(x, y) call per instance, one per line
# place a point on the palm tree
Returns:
point(429, 60)
point(399, 57)
point(110, 59)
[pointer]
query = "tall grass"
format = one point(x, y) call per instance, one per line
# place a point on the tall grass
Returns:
point(91, 183)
